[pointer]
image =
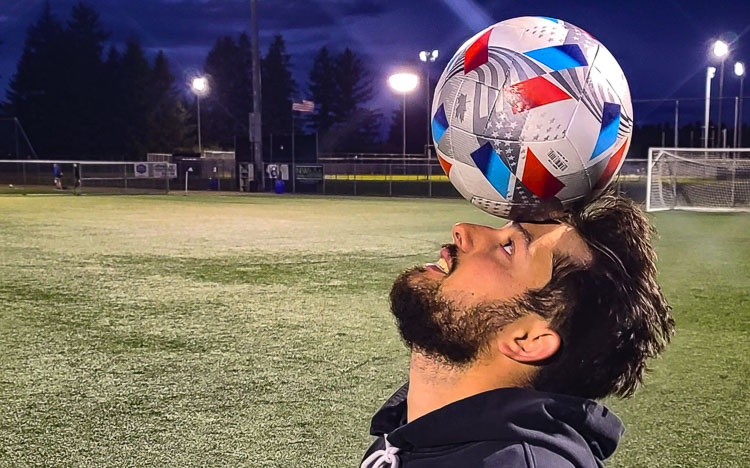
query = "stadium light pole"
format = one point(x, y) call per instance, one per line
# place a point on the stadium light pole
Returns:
point(199, 86)
point(710, 72)
point(739, 71)
point(403, 83)
point(428, 57)
point(721, 51)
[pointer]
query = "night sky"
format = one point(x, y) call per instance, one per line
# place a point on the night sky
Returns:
point(661, 45)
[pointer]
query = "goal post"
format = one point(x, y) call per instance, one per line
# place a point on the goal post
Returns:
point(34, 176)
point(698, 179)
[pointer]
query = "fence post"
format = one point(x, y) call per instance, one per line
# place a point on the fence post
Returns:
point(390, 180)
point(429, 179)
point(323, 165)
point(125, 175)
point(734, 171)
point(15, 136)
point(676, 123)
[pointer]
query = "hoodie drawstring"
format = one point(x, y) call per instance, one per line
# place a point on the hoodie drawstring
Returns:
point(382, 458)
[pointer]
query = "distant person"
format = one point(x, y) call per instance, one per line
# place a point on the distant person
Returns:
point(514, 332)
point(57, 172)
point(77, 179)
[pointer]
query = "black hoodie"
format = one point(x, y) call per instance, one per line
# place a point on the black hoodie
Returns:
point(506, 427)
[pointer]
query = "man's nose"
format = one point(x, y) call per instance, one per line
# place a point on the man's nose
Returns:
point(462, 236)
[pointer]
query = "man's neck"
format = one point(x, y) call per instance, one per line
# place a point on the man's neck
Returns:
point(433, 385)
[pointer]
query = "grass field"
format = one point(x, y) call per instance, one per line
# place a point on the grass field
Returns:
point(254, 331)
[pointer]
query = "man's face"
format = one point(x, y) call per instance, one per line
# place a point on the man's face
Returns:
point(491, 265)
point(452, 314)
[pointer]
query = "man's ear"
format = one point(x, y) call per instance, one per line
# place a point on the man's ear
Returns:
point(529, 342)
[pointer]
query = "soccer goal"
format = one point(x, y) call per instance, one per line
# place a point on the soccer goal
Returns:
point(35, 176)
point(699, 179)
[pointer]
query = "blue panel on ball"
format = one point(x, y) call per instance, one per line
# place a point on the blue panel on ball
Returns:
point(608, 132)
point(439, 123)
point(554, 20)
point(559, 57)
point(493, 168)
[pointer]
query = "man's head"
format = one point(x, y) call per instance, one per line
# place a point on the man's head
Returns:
point(574, 304)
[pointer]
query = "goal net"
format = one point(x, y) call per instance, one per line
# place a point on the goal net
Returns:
point(700, 179)
point(89, 177)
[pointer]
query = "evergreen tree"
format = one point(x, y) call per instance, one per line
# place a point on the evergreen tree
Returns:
point(112, 138)
point(83, 74)
point(359, 133)
point(34, 88)
point(357, 127)
point(353, 83)
point(166, 120)
point(322, 84)
point(225, 109)
point(277, 90)
point(134, 98)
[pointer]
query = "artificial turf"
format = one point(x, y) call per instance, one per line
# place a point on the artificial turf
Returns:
point(254, 330)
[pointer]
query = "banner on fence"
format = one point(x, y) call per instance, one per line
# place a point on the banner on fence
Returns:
point(313, 173)
point(155, 170)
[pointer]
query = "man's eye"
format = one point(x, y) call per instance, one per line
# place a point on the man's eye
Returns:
point(509, 248)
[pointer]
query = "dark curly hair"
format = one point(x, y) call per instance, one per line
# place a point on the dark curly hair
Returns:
point(611, 315)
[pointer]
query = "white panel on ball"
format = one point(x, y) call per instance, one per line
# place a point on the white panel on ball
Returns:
point(548, 122)
point(609, 70)
point(579, 131)
point(472, 106)
point(536, 33)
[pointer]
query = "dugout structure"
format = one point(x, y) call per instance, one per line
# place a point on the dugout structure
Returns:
point(698, 179)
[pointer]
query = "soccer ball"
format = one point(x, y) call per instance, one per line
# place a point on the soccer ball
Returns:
point(530, 117)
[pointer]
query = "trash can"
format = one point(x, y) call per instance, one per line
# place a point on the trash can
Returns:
point(279, 186)
point(214, 184)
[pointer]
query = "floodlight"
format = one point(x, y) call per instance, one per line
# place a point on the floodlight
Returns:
point(200, 85)
point(427, 56)
point(403, 82)
point(711, 72)
point(739, 69)
point(721, 49)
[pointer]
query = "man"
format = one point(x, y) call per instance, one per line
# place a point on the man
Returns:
point(77, 186)
point(514, 332)
point(57, 172)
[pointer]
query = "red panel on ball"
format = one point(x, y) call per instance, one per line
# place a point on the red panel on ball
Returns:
point(609, 171)
point(445, 165)
point(478, 53)
point(538, 179)
point(532, 93)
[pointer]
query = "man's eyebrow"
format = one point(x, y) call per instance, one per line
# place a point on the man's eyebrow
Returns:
point(526, 234)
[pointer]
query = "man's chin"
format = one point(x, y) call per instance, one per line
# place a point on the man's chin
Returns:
point(426, 322)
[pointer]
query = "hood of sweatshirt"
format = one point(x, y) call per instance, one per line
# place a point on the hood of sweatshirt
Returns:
point(568, 425)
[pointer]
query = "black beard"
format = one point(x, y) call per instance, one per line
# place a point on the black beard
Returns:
point(439, 329)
